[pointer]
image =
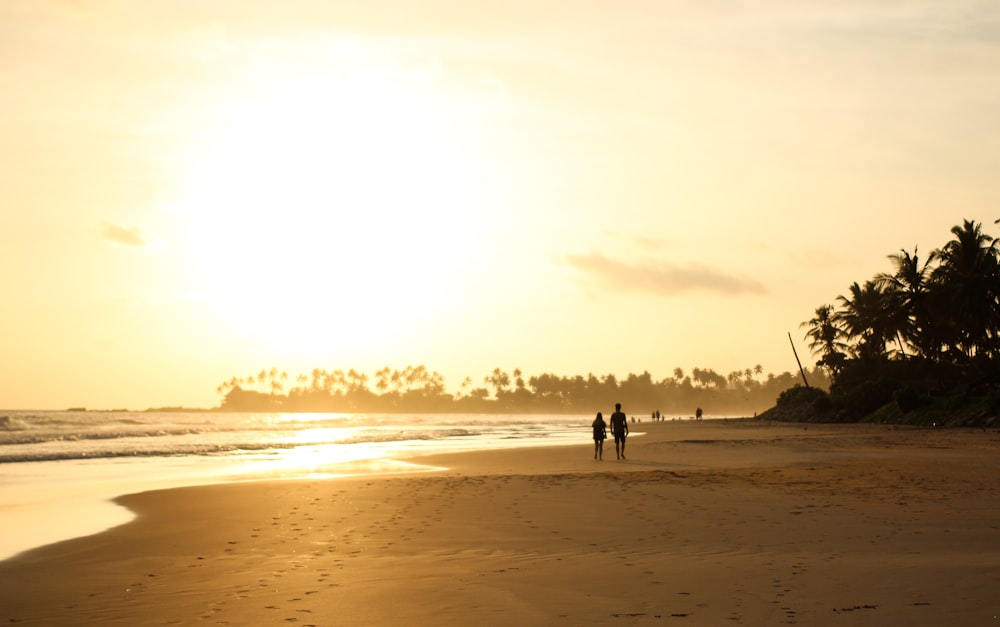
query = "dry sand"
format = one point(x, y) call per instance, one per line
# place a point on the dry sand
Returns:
point(706, 523)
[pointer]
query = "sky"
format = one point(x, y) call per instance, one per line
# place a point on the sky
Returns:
point(193, 191)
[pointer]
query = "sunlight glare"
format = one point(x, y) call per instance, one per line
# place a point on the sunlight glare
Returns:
point(324, 201)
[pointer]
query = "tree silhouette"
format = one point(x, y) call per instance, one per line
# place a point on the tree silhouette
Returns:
point(942, 313)
point(907, 288)
point(863, 317)
point(417, 389)
point(825, 338)
point(500, 381)
point(967, 279)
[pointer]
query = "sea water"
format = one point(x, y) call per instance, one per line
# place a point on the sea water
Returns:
point(59, 470)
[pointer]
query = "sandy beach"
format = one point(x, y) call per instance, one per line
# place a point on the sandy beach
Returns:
point(705, 523)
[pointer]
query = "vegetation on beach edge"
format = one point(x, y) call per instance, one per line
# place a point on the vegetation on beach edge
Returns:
point(918, 345)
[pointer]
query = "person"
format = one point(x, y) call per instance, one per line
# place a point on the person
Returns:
point(619, 429)
point(697, 414)
point(600, 433)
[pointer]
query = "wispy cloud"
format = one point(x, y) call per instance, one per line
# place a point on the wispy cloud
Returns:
point(660, 278)
point(644, 242)
point(124, 235)
point(807, 257)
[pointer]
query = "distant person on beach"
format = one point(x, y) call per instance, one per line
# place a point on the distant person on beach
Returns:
point(600, 434)
point(619, 429)
point(697, 414)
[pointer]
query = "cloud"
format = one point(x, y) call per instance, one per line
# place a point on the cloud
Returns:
point(815, 258)
point(124, 235)
point(641, 241)
point(660, 279)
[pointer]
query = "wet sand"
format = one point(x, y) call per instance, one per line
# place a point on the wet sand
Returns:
point(705, 523)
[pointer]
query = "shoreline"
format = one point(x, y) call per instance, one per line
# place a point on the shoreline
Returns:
point(704, 524)
point(63, 487)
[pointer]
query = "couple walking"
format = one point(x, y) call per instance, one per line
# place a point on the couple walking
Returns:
point(619, 429)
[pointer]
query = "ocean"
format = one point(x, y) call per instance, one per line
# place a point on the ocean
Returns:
point(59, 470)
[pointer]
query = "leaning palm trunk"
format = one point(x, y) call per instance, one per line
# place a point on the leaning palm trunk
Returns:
point(796, 353)
point(899, 342)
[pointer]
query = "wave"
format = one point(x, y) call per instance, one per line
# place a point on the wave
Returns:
point(165, 447)
point(62, 436)
point(70, 455)
point(39, 438)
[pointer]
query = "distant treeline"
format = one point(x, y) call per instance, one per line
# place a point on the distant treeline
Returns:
point(417, 389)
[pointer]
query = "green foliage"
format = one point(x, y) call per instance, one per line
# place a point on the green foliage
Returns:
point(800, 395)
point(822, 404)
point(801, 404)
point(888, 413)
point(908, 399)
point(954, 410)
point(867, 397)
point(993, 399)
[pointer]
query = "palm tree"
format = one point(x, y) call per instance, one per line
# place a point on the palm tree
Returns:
point(356, 381)
point(518, 379)
point(825, 339)
point(907, 289)
point(864, 317)
point(967, 280)
point(382, 379)
point(499, 380)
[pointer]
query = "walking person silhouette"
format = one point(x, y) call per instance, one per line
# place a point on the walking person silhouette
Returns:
point(600, 433)
point(619, 429)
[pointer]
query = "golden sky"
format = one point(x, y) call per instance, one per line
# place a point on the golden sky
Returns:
point(198, 190)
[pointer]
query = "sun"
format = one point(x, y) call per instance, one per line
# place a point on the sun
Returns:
point(328, 207)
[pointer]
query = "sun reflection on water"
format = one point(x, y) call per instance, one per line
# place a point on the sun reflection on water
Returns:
point(324, 461)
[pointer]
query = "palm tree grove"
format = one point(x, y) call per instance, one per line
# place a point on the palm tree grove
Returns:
point(419, 389)
point(917, 344)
